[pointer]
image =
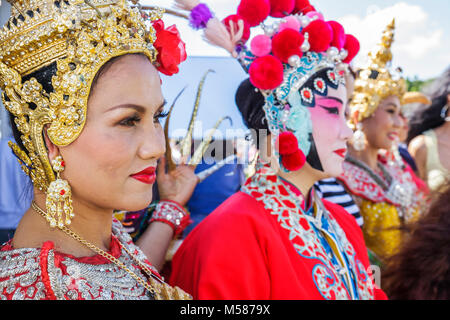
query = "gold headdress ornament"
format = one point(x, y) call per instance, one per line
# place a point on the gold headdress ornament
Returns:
point(376, 82)
point(80, 36)
point(186, 143)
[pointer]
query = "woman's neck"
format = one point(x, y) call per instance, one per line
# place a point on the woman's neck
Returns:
point(369, 156)
point(93, 225)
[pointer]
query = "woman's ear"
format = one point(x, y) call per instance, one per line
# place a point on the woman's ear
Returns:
point(52, 149)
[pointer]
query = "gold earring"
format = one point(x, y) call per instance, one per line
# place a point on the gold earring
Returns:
point(59, 198)
point(359, 138)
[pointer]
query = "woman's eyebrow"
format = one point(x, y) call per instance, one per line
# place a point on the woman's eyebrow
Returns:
point(138, 108)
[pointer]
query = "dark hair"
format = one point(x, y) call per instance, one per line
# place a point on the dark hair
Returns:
point(421, 268)
point(430, 117)
point(250, 102)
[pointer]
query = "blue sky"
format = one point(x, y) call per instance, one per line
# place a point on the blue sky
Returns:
point(422, 43)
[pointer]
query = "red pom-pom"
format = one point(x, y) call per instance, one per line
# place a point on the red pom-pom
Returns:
point(295, 161)
point(266, 73)
point(352, 46)
point(338, 34)
point(254, 11)
point(286, 44)
point(286, 143)
point(281, 8)
point(320, 35)
point(308, 9)
point(235, 18)
point(300, 5)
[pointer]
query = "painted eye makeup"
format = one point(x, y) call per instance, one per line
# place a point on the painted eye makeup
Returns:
point(331, 104)
point(331, 110)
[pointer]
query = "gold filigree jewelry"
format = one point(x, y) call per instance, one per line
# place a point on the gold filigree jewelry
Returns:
point(59, 198)
point(156, 288)
point(376, 82)
point(359, 140)
point(80, 36)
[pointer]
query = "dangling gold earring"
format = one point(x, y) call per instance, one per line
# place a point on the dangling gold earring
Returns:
point(359, 138)
point(59, 198)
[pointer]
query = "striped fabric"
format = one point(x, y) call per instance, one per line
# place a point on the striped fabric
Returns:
point(331, 190)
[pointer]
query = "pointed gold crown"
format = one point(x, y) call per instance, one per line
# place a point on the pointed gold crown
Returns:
point(79, 36)
point(376, 82)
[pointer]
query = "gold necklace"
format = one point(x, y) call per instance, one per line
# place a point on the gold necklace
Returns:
point(163, 291)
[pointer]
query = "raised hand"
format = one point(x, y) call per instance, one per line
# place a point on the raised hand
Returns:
point(177, 185)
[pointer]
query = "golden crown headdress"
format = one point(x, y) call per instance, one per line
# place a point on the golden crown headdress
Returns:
point(376, 81)
point(80, 36)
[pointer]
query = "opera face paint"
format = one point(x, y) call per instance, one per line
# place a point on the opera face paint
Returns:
point(330, 130)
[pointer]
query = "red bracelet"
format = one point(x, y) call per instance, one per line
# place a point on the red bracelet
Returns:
point(173, 214)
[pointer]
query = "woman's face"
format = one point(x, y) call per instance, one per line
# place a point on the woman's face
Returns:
point(111, 164)
point(382, 129)
point(330, 130)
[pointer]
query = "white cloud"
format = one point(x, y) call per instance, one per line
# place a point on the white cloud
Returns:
point(415, 40)
point(420, 47)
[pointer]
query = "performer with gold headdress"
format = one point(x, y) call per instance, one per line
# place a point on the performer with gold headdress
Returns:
point(276, 239)
point(383, 188)
point(80, 81)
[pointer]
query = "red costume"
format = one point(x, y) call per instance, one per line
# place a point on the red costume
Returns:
point(257, 245)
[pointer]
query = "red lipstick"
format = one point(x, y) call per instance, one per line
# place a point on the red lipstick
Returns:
point(147, 176)
point(341, 152)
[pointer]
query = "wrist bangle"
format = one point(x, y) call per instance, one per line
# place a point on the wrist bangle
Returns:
point(199, 16)
point(173, 214)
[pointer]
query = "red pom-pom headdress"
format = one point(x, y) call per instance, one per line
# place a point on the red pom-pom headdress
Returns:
point(254, 11)
point(298, 53)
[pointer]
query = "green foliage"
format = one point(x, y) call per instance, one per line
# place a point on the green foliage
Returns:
point(416, 84)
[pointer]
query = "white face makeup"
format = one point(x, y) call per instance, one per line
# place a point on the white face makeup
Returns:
point(330, 130)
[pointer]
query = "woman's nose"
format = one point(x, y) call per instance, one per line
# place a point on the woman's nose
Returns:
point(153, 145)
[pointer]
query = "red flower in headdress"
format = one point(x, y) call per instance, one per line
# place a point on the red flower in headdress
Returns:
point(171, 49)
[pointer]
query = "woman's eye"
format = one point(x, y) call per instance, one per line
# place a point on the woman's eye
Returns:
point(130, 122)
point(160, 116)
point(391, 111)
